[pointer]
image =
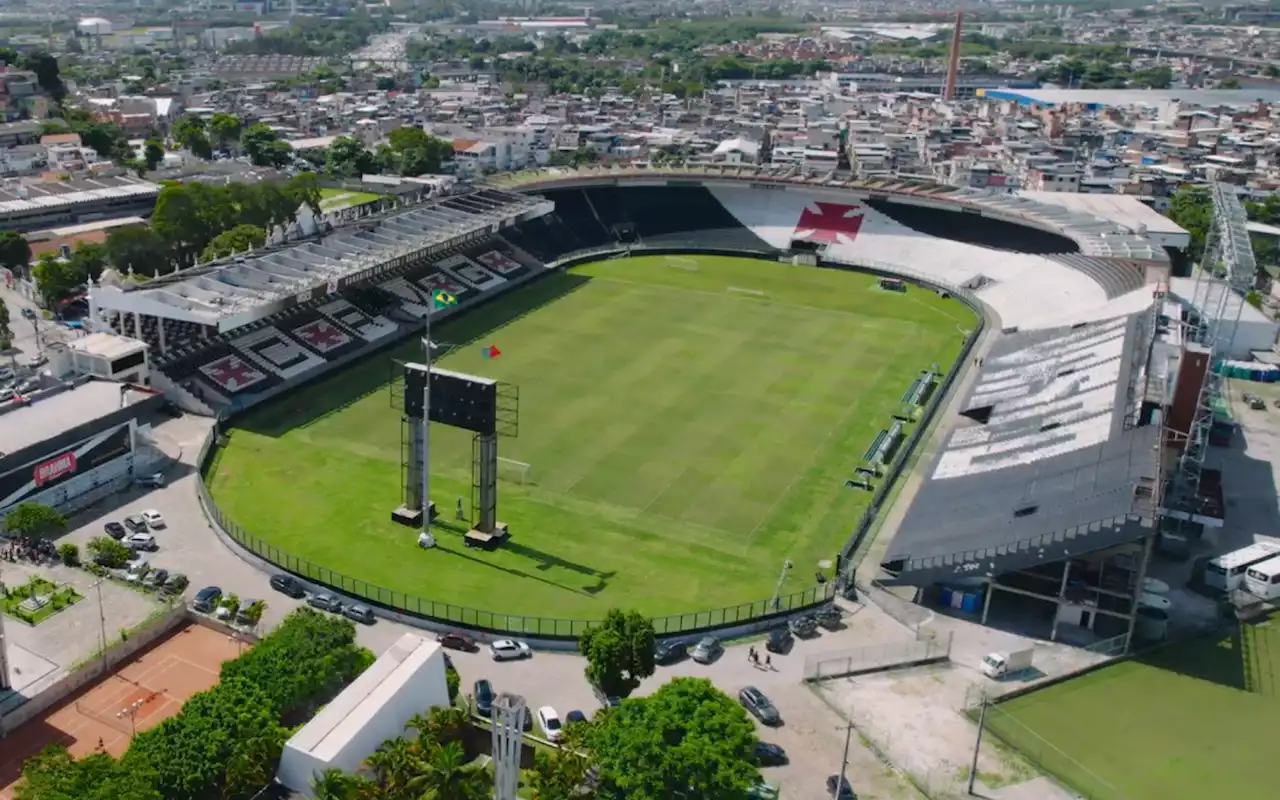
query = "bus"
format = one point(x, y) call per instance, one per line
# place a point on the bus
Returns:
point(1263, 580)
point(1226, 572)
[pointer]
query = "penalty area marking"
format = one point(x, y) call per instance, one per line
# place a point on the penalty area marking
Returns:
point(686, 264)
point(740, 290)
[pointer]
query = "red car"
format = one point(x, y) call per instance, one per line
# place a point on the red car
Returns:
point(455, 640)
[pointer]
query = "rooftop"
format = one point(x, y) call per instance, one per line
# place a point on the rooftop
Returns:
point(106, 345)
point(50, 416)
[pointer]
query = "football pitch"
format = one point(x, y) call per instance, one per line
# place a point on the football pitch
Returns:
point(1185, 721)
point(688, 421)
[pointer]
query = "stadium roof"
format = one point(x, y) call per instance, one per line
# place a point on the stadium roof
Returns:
point(1044, 465)
point(47, 417)
point(1134, 97)
point(1094, 235)
point(226, 291)
point(55, 194)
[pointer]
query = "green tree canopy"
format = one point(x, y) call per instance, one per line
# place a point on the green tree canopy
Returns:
point(32, 521)
point(619, 652)
point(15, 253)
point(153, 153)
point(687, 740)
point(225, 129)
point(348, 158)
point(239, 239)
point(190, 132)
point(136, 248)
point(263, 147)
point(54, 775)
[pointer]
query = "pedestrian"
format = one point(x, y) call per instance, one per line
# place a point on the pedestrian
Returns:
point(768, 661)
point(751, 655)
point(101, 745)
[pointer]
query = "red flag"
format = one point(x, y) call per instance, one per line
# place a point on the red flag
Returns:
point(492, 351)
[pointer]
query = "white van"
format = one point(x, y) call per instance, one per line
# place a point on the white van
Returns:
point(1226, 572)
point(1263, 580)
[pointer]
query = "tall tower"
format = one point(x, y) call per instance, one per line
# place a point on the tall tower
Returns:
point(953, 60)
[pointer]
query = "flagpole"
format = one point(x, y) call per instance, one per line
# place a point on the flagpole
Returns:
point(426, 422)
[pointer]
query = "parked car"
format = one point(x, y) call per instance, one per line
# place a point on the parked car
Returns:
point(484, 697)
point(207, 599)
point(769, 755)
point(155, 480)
point(574, 716)
point(839, 788)
point(803, 626)
point(153, 518)
point(140, 541)
point(137, 570)
point(707, 649)
point(156, 578)
point(457, 640)
point(325, 602)
point(176, 583)
point(759, 706)
point(550, 723)
point(669, 651)
point(762, 790)
point(37, 360)
point(359, 613)
point(7, 373)
point(242, 611)
point(605, 699)
point(509, 649)
point(115, 530)
point(288, 585)
point(829, 617)
point(135, 523)
point(779, 641)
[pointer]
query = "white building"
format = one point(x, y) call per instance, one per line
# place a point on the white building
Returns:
point(407, 679)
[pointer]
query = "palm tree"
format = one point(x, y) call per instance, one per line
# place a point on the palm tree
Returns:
point(334, 784)
point(394, 764)
point(447, 723)
point(447, 776)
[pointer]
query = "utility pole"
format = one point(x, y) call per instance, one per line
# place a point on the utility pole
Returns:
point(844, 760)
point(102, 625)
point(977, 745)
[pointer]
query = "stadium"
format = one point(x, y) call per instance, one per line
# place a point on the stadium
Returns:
point(720, 376)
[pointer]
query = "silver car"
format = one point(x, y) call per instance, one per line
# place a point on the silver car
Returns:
point(707, 649)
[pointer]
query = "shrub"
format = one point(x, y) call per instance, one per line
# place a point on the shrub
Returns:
point(107, 552)
point(453, 681)
point(69, 554)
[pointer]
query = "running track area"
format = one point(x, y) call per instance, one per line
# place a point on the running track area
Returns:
point(151, 687)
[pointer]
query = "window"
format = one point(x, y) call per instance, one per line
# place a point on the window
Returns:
point(127, 362)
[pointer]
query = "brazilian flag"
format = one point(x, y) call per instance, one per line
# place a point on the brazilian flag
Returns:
point(440, 299)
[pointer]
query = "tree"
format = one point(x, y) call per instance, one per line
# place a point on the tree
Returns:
point(32, 521)
point(136, 247)
point(107, 552)
point(239, 239)
point(87, 262)
point(224, 741)
point(446, 775)
point(15, 253)
point(334, 784)
point(619, 652)
point(54, 278)
point(225, 129)
point(304, 661)
point(152, 153)
point(348, 158)
point(415, 152)
point(688, 739)
point(189, 132)
point(6, 333)
point(1192, 209)
point(53, 774)
point(265, 148)
point(558, 775)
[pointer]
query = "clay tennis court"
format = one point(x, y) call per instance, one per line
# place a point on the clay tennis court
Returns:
point(151, 687)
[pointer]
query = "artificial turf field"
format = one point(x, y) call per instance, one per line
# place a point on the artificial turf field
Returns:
point(689, 422)
point(1186, 721)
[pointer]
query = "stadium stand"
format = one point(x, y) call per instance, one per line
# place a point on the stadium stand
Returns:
point(1047, 460)
point(321, 335)
point(958, 226)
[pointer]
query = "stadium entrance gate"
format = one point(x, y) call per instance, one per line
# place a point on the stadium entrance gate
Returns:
point(485, 407)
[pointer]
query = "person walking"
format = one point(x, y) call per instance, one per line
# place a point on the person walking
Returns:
point(768, 661)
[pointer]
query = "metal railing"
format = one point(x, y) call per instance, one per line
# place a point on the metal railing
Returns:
point(888, 655)
point(494, 621)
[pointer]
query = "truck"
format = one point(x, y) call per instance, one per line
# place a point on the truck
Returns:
point(1004, 665)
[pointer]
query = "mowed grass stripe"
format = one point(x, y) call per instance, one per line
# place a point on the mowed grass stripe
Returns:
point(683, 439)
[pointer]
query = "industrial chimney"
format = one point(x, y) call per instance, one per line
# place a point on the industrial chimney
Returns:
point(953, 60)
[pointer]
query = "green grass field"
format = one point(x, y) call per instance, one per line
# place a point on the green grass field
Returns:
point(1188, 721)
point(334, 199)
point(689, 423)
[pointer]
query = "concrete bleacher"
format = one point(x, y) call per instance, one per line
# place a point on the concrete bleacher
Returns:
point(1115, 276)
point(321, 335)
point(272, 350)
point(469, 272)
point(365, 320)
point(1026, 291)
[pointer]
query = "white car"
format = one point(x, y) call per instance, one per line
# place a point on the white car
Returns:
point(153, 518)
point(137, 570)
point(140, 541)
point(509, 650)
point(549, 721)
point(155, 480)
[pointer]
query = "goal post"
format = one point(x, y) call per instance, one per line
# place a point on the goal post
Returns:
point(514, 471)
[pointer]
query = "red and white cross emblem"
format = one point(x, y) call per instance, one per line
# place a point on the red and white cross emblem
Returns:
point(827, 222)
point(232, 374)
point(322, 336)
